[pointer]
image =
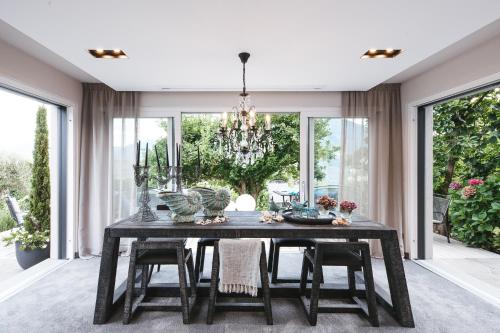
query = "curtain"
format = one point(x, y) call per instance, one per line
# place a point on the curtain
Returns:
point(382, 106)
point(100, 104)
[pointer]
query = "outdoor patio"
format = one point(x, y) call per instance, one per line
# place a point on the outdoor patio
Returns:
point(476, 269)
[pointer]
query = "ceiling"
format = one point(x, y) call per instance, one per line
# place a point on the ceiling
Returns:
point(192, 45)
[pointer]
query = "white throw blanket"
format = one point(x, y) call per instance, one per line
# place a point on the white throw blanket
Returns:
point(239, 265)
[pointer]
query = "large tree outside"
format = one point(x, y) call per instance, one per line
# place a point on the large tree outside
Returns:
point(467, 166)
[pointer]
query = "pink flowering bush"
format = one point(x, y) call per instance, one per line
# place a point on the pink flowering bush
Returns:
point(455, 186)
point(468, 192)
point(475, 182)
point(347, 206)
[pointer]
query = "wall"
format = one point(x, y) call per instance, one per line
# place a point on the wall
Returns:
point(25, 73)
point(473, 68)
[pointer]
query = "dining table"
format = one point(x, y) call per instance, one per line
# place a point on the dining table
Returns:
point(249, 225)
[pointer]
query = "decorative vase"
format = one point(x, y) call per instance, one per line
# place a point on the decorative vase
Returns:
point(346, 215)
point(323, 212)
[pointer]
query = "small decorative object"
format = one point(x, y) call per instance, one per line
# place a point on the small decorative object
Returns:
point(183, 206)
point(268, 217)
point(325, 204)
point(302, 210)
point(289, 216)
point(340, 221)
point(141, 177)
point(245, 203)
point(346, 208)
point(215, 220)
point(214, 201)
point(274, 207)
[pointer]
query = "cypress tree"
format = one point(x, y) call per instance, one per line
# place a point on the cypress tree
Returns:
point(38, 218)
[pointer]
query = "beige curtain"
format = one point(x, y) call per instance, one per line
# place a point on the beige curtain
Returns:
point(100, 104)
point(382, 106)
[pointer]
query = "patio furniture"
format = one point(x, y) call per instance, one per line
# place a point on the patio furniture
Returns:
point(203, 243)
point(350, 254)
point(248, 225)
point(159, 252)
point(274, 254)
point(440, 205)
point(214, 305)
point(14, 210)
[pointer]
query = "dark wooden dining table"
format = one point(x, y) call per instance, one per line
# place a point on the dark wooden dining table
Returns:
point(248, 225)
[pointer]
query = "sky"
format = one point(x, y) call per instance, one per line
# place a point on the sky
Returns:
point(17, 124)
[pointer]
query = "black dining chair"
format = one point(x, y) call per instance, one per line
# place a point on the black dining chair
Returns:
point(353, 255)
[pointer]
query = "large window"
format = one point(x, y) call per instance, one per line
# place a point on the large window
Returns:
point(339, 160)
point(273, 176)
point(153, 132)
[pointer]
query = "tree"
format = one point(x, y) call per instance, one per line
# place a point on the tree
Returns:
point(283, 163)
point(466, 132)
point(38, 219)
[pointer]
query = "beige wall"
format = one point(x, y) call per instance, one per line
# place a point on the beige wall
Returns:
point(219, 101)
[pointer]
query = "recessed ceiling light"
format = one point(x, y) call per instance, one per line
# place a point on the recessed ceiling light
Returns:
point(108, 54)
point(381, 53)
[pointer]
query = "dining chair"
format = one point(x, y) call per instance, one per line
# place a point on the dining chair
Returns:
point(239, 306)
point(353, 255)
point(150, 252)
point(203, 243)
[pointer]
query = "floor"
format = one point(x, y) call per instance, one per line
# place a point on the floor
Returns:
point(8, 262)
point(63, 301)
point(473, 268)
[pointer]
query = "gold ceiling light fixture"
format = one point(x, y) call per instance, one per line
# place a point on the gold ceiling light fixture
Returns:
point(381, 53)
point(108, 54)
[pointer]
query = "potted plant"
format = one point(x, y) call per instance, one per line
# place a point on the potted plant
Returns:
point(32, 239)
point(325, 204)
point(346, 208)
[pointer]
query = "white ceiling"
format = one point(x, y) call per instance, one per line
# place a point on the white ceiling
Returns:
point(192, 45)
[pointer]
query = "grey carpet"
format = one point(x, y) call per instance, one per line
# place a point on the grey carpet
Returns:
point(64, 301)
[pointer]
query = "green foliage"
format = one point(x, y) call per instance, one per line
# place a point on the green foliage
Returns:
point(6, 221)
point(14, 177)
point(28, 240)
point(283, 163)
point(466, 138)
point(475, 219)
point(38, 219)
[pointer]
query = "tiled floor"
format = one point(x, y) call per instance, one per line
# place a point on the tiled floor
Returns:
point(472, 268)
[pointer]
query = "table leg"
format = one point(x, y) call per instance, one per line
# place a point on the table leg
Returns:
point(397, 281)
point(107, 276)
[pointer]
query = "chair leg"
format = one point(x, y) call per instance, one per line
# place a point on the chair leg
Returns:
point(371, 299)
point(271, 254)
point(197, 263)
point(313, 308)
point(192, 277)
point(144, 279)
point(276, 259)
point(213, 285)
point(351, 280)
point(264, 279)
point(158, 269)
point(202, 260)
point(303, 276)
point(127, 309)
point(150, 273)
point(183, 284)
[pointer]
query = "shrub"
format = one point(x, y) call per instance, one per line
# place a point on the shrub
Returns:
point(475, 211)
point(6, 222)
point(28, 240)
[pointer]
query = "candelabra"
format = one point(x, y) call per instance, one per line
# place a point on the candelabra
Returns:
point(173, 174)
point(145, 213)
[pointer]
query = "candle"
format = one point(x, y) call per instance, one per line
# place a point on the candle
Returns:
point(146, 159)
point(157, 161)
point(178, 154)
point(199, 162)
point(138, 154)
point(252, 118)
point(166, 153)
point(268, 122)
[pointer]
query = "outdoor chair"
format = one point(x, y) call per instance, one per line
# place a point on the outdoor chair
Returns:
point(353, 255)
point(14, 210)
point(203, 243)
point(440, 205)
point(160, 252)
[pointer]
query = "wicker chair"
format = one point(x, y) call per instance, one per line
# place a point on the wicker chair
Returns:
point(440, 205)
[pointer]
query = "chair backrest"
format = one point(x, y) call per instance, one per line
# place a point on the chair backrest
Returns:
point(440, 206)
point(14, 210)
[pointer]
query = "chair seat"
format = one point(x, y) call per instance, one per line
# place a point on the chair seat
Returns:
point(292, 242)
point(159, 257)
point(340, 257)
point(207, 241)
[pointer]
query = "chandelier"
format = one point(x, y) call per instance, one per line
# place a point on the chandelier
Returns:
point(240, 135)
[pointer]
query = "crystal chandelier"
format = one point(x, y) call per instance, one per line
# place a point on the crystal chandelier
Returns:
point(243, 139)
